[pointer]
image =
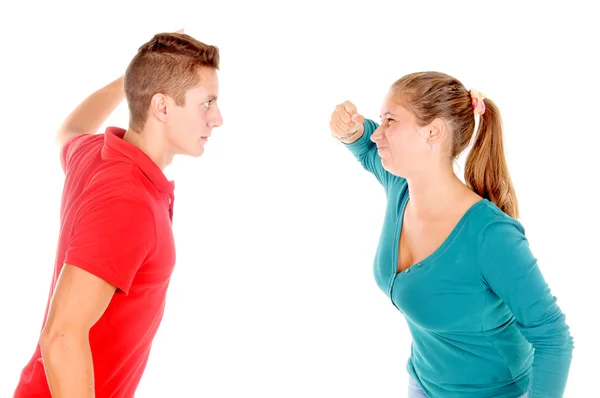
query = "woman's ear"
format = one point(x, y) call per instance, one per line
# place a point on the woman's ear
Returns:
point(436, 133)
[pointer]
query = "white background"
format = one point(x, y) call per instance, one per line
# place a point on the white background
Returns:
point(277, 224)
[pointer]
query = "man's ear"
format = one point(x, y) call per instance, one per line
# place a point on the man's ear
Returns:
point(158, 107)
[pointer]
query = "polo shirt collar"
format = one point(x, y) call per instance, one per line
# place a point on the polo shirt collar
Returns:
point(115, 148)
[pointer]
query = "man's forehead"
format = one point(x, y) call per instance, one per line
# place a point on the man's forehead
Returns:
point(204, 90)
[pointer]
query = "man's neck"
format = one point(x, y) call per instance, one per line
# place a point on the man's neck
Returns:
point(152, 143)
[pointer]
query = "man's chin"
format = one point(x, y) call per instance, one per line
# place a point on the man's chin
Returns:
point(198, 152)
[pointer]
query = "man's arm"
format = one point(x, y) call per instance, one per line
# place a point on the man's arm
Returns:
point(79, 300)
point(89, 116)
point(111, 240)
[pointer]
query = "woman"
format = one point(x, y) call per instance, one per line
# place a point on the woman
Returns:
point(452, 257)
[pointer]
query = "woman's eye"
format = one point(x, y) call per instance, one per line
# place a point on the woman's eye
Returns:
point(386, 120)
point(207, 104)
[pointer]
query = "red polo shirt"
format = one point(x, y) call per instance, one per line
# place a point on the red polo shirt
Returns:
point(116, 216)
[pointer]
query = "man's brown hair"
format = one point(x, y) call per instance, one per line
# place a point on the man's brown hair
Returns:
point(166, 64)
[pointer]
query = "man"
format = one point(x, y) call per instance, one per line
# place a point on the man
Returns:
point(116, 250)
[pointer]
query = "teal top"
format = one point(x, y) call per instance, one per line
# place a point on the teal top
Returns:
point(483, 320)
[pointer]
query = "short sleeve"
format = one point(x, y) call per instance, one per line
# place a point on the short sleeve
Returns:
point(70, 148)
point(112, 240)
point(510, 270)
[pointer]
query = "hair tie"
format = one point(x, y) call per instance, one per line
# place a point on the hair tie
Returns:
point(477, 102)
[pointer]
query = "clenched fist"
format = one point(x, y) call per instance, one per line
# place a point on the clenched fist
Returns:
point(346, 123)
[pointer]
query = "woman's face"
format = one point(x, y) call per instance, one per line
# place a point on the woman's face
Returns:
point(401, 143)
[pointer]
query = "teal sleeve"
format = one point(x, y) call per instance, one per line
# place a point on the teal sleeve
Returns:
point(511, 271)
point(365, 152)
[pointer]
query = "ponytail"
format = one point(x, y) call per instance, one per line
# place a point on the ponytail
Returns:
point(486, 171)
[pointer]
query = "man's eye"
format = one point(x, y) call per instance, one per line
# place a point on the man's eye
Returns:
point(207, 104)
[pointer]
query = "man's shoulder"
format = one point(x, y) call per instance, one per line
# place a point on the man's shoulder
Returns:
point(78, 147)
point(114, 202)
point(116, 179)
point(118, 184)
point(78, 140)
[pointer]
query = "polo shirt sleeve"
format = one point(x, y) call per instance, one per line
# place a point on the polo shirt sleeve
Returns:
point(112, 239)
point(70, 149)
point(365, 151)
point(511, 271)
